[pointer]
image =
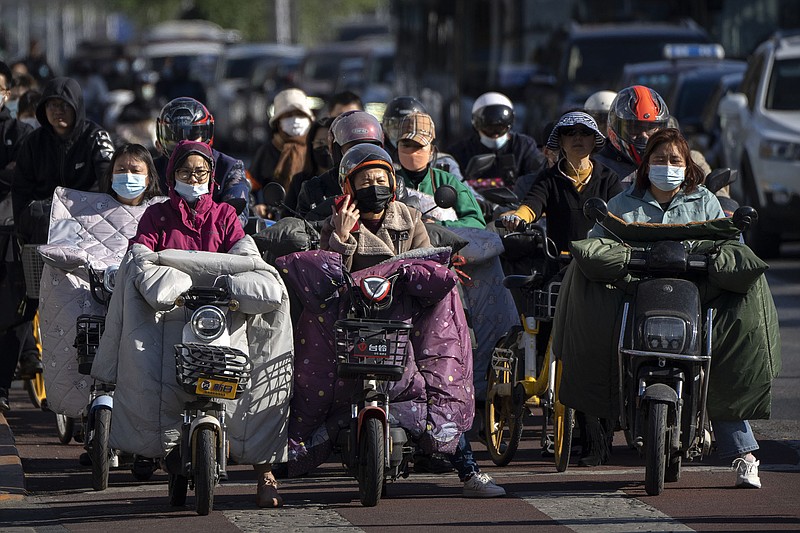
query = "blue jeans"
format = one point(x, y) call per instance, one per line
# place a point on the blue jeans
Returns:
point(462, 459)
point(734, 438)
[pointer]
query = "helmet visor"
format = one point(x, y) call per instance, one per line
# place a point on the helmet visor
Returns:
point(174, 133)
point(638, 131)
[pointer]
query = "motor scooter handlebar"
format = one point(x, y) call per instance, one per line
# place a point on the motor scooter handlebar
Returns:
point(666, 257)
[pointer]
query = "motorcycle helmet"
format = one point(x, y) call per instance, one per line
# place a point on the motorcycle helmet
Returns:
point(352, 127)
point(597, 105)
point(493, 114)
point(182, 119)
point(396, 110)
point(635, 114)
point(360, 157)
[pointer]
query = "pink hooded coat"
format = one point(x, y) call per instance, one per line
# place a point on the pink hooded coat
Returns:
point(209, 227)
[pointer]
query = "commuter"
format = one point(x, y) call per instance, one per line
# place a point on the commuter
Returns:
point(285, 153)
point(368, 227)
point(516, 153)
point(597, 106)
point(344, 101)
point(12, 131)
point(21, 85)
point(27, 108)
point(187, 119)
point(36, 62)
point(132, 177)
point(321, 159)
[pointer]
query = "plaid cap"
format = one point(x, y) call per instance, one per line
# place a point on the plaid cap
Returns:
point(574, 118)
point(417, 127)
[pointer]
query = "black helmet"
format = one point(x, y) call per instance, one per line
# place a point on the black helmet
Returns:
point(493, 114)
point(184, 119)
point(396, 110)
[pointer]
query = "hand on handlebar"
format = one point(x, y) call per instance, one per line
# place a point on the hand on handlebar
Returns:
point(510, 221)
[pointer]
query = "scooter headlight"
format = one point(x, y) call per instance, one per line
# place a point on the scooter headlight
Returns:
point(665, 334)
point(208, 323)
point(375, 288)
point(110, 278)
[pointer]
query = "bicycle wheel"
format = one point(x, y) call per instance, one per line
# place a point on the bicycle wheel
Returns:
point(563, 424)
point(655, 448)
point(36, 392)
point(503, 426)
point(66, 428)
point(371, 462)
point(99, 448)
point(205, 470)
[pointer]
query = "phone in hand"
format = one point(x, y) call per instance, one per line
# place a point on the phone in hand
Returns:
point(338, 203)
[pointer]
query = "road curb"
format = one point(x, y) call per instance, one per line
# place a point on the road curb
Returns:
point(12, 477)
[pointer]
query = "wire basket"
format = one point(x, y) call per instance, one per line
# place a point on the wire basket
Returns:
point(544, 301)
point(368, 348)
point(214, 371)
point(88, 330)
point(32, 266)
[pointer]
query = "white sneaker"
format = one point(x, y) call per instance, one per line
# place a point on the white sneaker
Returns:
point(480, 485)
point(746, 473)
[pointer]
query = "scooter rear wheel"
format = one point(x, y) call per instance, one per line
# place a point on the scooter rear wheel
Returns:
point(66, 428)
point(371, 462)
point(563, 424)
point(655, 448)
point(99, 448)
point(205, 470)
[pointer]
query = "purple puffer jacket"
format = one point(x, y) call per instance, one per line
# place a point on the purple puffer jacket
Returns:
point(434, 400)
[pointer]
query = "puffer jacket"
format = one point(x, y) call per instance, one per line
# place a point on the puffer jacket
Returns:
point(208, 227)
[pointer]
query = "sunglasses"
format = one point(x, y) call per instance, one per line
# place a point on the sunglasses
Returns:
point(572, 132)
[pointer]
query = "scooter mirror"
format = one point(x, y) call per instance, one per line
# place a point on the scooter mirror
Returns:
point(744, 217)
point(479, 164)
point(445, 196)
point(274, 194)
point(720, 177)
point(595, 209)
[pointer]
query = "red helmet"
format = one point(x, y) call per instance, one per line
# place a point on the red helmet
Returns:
point(360, 157)
point(636, 113)
point(184, 119)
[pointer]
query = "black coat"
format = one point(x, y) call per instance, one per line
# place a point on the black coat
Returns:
point(317, 195)
point(46, 161)
point(554, 195)
point(12, 132)
point(518, 157)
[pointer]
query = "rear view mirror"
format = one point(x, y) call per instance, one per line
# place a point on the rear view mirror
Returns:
point(595, 209)
point(744, 217)
point(478, 165)
point(719, 178)
point(274, 194)
point(445, 196)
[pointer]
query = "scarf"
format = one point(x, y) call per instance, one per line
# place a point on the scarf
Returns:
point(292, 160)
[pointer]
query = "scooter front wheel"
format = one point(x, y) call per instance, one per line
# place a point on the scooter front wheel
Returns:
point(99, 448)
point(178, 486)
point(65, 427)
point(205, 469)
point(371, 462)
point(503, 426)
point(655, 448)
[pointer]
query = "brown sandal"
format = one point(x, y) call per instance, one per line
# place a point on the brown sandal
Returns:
point(267, 493)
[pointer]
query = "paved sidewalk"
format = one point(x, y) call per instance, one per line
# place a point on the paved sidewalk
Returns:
point(12, 478)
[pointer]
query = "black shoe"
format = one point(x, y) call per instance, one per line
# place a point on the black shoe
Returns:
point(30, 364)
point(85, 459)
point(432, 464)
point(5, 406)
point(172, 462)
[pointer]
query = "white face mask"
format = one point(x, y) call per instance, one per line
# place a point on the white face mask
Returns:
point(494, 144)
point(666, 177)
point(127, 185)
point(295, 126)
point(189, 192)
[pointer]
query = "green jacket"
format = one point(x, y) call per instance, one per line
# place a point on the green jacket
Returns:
point(746, 350)
point(467, 209)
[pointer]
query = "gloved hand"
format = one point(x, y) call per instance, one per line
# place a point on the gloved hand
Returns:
point(510, 220)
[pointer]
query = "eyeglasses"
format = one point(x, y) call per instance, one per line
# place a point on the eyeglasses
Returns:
point(200, 175)
point(572, 132)
point(57, 105)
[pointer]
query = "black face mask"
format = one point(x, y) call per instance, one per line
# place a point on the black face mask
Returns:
point(322, 157)
point(373, 199)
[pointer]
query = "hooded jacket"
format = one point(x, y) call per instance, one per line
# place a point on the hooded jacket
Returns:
point(208, 227)
point(12, 131)
point(46, 160)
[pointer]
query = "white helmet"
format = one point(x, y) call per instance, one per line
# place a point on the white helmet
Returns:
point(599, 102)
point(492, 98)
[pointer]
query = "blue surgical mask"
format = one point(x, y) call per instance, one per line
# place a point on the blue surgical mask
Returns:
point(494, 144)
point(128, 186)
point(666, 177)
point(190, 193)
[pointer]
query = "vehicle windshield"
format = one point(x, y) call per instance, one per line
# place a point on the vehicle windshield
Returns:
point(241, 68)
point(599, 63)
point(783, 92)
point(691, 99)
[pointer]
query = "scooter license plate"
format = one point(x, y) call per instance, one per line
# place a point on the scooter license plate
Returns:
point(216, 388)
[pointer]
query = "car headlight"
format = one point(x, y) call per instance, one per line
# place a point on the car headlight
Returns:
point(665, 334)
point(772, 149)
point(110, 278)
point(208, 323)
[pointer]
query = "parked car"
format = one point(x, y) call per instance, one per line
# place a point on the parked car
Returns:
point(588, 58)
point(709, 141)
point(761, 137)
point(234, 76)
